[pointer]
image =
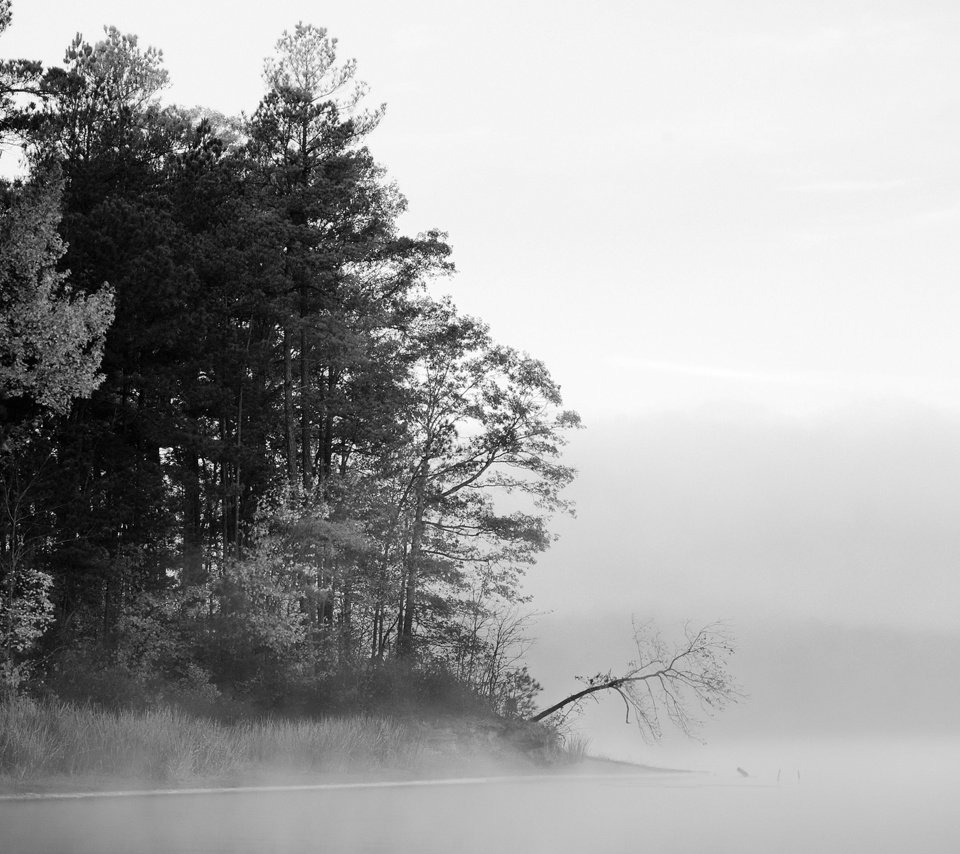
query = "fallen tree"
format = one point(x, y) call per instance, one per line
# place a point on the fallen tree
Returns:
point(666, 680)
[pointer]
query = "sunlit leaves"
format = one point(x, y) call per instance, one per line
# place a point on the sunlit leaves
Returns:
point(51, 340)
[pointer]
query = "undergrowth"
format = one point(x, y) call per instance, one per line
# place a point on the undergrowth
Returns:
point(40, 739)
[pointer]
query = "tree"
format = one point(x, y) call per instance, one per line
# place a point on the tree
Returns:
point(306, 65)
point(19, 79)
point(26, 610)
point(105, 495)
point(101, 101)
point(51, 340)
point(484, 645)
point(270, 336)
point(483, 420)
point(666, 680)
point(51, 346)
point(334, 220)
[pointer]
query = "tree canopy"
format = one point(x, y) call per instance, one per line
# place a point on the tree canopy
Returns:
point(256, 455)
point(249, 457)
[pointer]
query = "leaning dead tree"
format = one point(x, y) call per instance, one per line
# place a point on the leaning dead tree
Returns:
point(667, 681)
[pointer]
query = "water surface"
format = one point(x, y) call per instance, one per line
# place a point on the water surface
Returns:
point(662, 813)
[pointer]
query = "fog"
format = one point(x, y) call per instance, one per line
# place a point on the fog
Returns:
point(663, 813)
point(848, 516)
point(827, 541)
point(802, 679)
point(829, 545)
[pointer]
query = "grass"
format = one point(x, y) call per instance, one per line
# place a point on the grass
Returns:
point(44, 740)
point(575, 747)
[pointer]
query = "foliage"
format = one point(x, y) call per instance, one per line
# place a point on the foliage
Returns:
point(51, 341)
point(263, 465)
point(264, 468)
point(25, 613)
point(21, 91)
point(306, 62)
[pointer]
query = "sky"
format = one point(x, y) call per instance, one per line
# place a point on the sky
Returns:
point(729, 229)
point(667, 202)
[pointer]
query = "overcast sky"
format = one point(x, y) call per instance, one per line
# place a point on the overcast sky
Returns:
point(668, 202)
point(730, 229)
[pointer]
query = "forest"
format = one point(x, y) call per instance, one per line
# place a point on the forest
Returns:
point(251, 461)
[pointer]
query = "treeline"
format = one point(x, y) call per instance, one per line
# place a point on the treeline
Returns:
point(245, 452)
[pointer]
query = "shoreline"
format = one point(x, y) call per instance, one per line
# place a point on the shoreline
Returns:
point(483, 773)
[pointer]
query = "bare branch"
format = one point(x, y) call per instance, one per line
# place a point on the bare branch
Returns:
point(670, 682)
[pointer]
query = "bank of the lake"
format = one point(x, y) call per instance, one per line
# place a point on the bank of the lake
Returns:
point(56, 747)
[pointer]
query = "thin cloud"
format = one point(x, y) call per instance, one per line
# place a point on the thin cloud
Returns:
point(839, 380)
point(846, 186)
point(934, 216)
point(805, 378)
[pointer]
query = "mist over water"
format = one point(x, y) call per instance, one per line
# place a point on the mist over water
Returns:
point(903, 800)
point(828, 545)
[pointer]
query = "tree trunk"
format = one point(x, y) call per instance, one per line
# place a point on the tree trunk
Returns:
point(325, 449)
point(412, 576)
point(306, 456)
point(192, 519)
point(377, 631)
point(288, 416)
point(586, 692)
point(226, 489)
point(346, 622)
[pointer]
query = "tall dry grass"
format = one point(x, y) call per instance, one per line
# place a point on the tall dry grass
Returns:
point(54, 739)
point(575, 747)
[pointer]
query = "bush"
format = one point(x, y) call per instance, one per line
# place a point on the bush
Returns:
point(87, 675)
point(397, 686)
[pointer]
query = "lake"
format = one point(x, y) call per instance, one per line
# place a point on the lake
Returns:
point(905, 802)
